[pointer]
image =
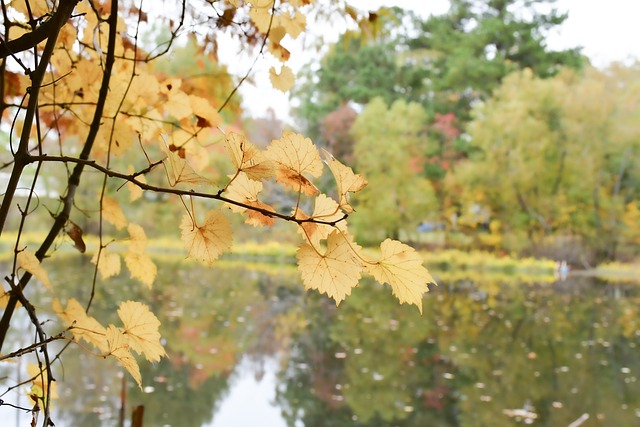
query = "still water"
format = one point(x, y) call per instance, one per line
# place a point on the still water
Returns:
point(249, 347)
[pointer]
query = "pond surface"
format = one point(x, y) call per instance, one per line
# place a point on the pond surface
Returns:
point(249, 347)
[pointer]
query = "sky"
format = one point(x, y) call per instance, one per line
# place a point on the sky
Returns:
point(606, 30)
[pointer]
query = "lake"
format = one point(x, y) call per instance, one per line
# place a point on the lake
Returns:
point(249, 347)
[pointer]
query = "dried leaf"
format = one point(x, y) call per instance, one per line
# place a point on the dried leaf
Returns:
point(75, 233)
point(179, 171)
point(326, 209)
point(28, 262)
point(141, 267)
point(84, 326)
point(108, 263)
point(247, 158)
point(333, 272)
point(112, 213)
point(119, 348)
point(207, 242)
point(346, 181)
point(401, 267)
point(295, 155)
point(283, 80)
point(142, 328)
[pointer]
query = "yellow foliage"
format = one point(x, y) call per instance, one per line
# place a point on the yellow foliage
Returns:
point(28, 262)
point(207, 242)
point(333, 272)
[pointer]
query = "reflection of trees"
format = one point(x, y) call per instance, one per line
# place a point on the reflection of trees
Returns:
point(208, 323)
point(559, 351)
point(563, 349)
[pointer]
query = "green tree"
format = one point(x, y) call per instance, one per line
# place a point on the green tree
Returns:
point(389, 146)
point(470, 49)
point(557, 156)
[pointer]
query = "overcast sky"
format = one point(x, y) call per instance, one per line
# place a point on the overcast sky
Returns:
point(607, 30)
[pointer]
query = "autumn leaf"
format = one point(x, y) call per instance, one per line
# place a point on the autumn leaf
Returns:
point(112, 213)
point(141, 267)
point(40, 383)
point(247, 158)
point(137, 238)
point(75, 233)
point(283, 80)
point(118, 347)
point(275, 48)
point(401, 267)
point(294, 156)
point(108, 263)
point(244, 190)
point(179, 171)
point(82, 325)
point(346, 181)
point(135, 192)
point(142, 328)
point(207, 115)
point(208, 241)
point(28, 262)
point(327, 210)
point(333, 272)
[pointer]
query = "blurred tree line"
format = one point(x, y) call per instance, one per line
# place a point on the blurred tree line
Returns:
point(473, 125)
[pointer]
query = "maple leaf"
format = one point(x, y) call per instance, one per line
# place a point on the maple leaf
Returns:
point(108, 263)
point(326, 209)
point(141, 267)
point(30, 263)
point(135, 192)
point(275, 37)
point(401, 267)
point(118, 347)
point(179, 171)
point(283, 80)
point(204, 111)
point(333, 272)
point(142, 328)
point(295, 155)
point(346, 181)
point(247, 158)
point(294, 26)
point(40, 383)
point(207, 242)
point(112, 213)
point(244, 190)
point(83, 326)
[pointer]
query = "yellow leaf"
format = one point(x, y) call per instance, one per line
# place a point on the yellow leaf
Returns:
point(401, 267)
point(137, 239)
point(207, 242)
point(108, 263)
point(294, 26)
point(284, 80)
point(119, 348)
point(247, 158)
point(346, 181)
point(179, 171)
point(84, 326)
point(28, 262)
point(40, 383)
point(142, 328)
point(294, 156)
point(244, 190)
point(112, 213)
point(260, 14)
point(135, 192)
point(204, 111)
point(141, 267)
point(275, 37)
point(326, 209)
point(178, 104)
point(333, 272)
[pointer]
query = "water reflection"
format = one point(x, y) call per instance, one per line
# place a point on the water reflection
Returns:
point(488, 353)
